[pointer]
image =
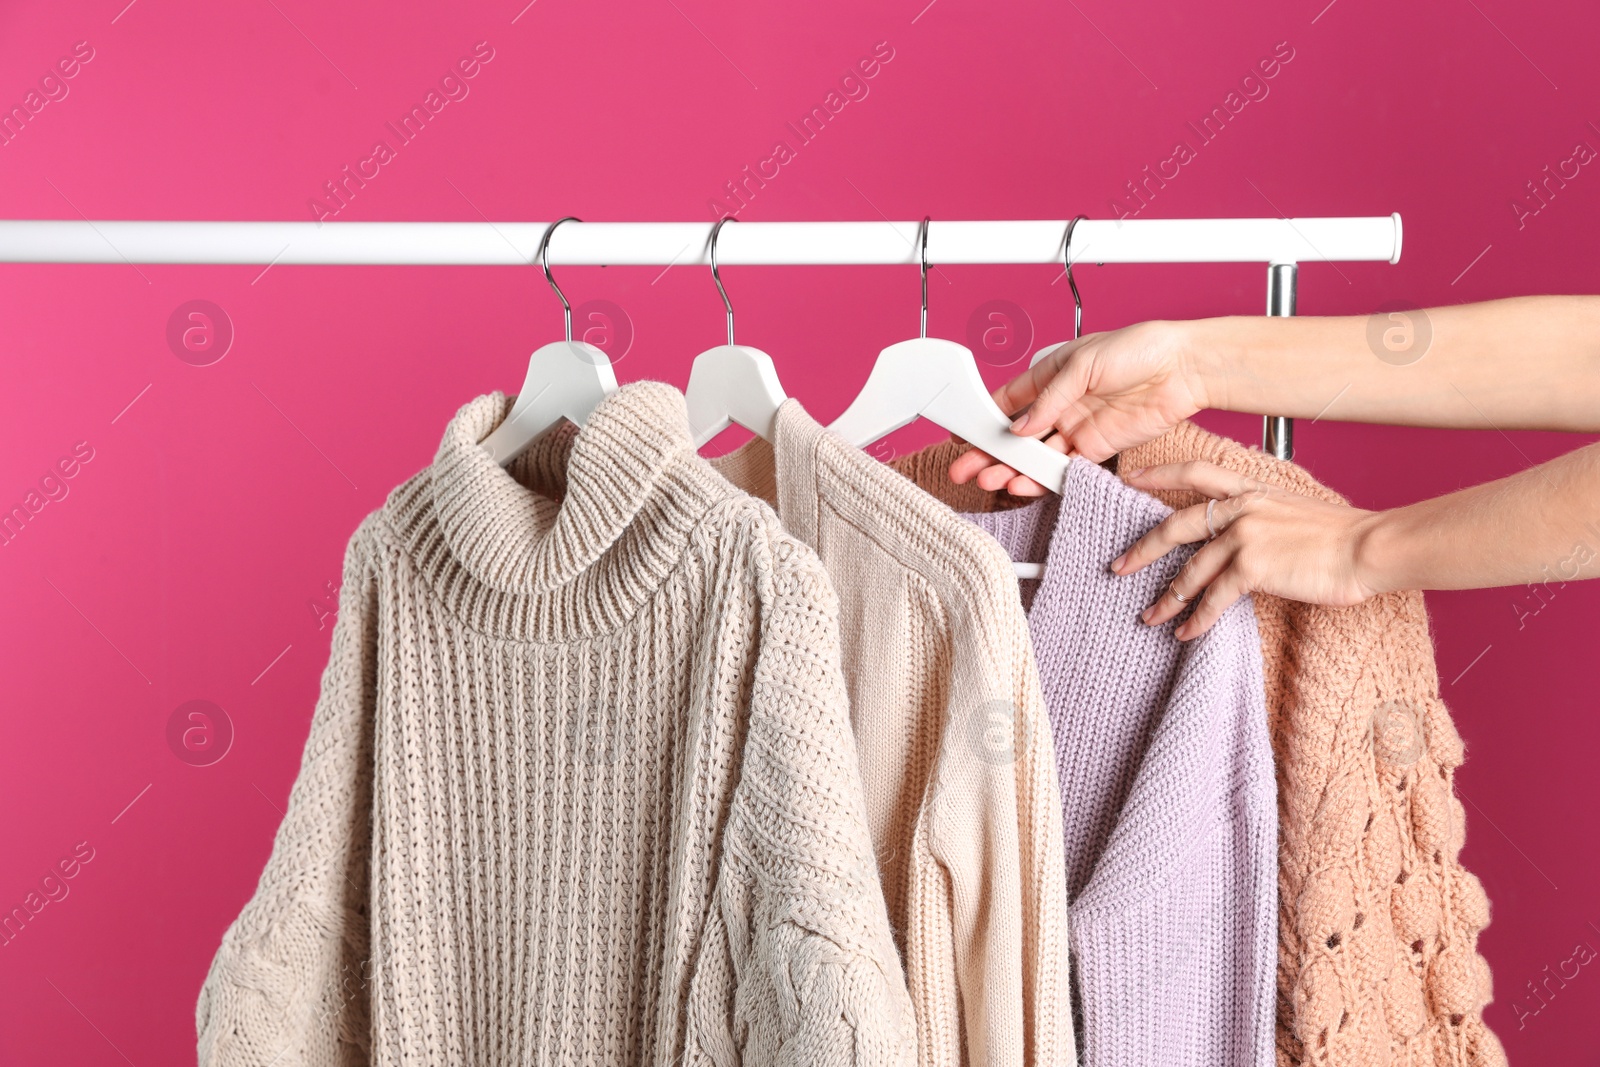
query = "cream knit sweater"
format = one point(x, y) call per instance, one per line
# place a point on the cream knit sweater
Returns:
point(1378, 920)
point(580, 786)
point(955, 745)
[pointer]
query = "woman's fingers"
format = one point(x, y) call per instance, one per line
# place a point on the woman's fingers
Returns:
point(1188, 585)
point(970, 464)
point(1262, 540)
point(1022, 485)
point(1065, 380)
point(1196, 475)
point(1019, 484)
point(1180, 528)
point(996, 477)
point(1040, 395)
point(1220, 595)
point(1025, 388)
point(993, 476)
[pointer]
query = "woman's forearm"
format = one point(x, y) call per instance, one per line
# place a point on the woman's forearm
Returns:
point(1541, 525)
point(1522, 363)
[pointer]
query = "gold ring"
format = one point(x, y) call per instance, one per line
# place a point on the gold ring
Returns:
point(1179, 597)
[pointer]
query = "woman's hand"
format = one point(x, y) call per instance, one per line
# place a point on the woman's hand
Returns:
point(1488, 365)
point(1261, 539)
point(1098, 395)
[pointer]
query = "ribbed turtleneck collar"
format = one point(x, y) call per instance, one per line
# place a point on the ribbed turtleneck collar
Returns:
point(584, 524)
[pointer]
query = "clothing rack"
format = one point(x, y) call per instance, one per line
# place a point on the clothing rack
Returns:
point(1281, 244)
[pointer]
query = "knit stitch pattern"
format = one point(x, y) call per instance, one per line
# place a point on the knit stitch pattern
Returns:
point(1378, 923)
point(580, 786)
point(955, 745)
point(1168, 798)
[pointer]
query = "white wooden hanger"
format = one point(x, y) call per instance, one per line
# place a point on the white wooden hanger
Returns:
point(938, 380)
point(731, 383)
point(566, 379)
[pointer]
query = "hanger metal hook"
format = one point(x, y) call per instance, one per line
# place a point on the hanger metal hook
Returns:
point(717, 277)
point(544, 263)
point(922, 249)
point(1066, 258)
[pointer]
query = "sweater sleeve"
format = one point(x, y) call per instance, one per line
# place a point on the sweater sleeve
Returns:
point(799, 928)
point(1046, 983)
point(287, 985)
point(995, 830)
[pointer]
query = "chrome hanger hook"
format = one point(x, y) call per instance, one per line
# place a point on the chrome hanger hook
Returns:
point(717, 277)
point(1066, 258)
point(922, 245)
point(544, 263)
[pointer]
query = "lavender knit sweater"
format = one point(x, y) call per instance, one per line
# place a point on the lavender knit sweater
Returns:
point(1167, 789)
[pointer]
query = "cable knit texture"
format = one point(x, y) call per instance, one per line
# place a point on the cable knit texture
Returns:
point(1378, 920)
point(955, 747)
point(580, 786)
point(1167, 792)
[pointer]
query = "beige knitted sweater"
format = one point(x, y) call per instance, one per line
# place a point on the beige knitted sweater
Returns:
point(580, 786)
point(1377, 940)
point(955, 745)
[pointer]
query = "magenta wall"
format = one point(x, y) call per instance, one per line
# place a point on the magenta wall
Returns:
point(191, 553)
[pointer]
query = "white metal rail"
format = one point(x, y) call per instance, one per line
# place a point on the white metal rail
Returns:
point(661, 243)
point(1280, 243)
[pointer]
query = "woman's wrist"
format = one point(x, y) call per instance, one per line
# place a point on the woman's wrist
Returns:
point(1378, 552)
point(1263, 365)
point(1190, 345)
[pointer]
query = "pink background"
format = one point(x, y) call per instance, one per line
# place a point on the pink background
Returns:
point(191, 556)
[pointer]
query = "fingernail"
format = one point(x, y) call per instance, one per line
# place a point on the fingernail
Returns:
point(1144, 616)
point(1020, 423)
point(1117, 563)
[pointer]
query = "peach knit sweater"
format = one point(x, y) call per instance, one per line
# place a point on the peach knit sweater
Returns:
point(580, 786)
point(1377, 939)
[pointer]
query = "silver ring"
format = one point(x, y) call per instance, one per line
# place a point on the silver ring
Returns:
point(1211, 506)
point(1179, 597)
